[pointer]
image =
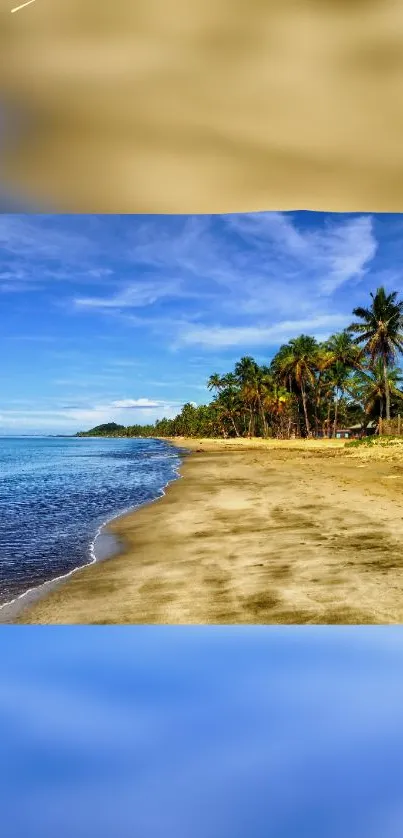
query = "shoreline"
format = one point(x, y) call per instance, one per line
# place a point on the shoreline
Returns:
point(253, 534)
point(104, 546)
point(10, 610)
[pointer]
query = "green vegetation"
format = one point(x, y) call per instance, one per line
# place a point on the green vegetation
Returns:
point(309, 389)
point(380, 332)
point(375, 441)
point(109, 429)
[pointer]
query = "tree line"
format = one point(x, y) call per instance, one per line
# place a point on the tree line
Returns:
point(309, 388)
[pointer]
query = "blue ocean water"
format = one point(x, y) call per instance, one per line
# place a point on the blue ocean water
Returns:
point(55, 494)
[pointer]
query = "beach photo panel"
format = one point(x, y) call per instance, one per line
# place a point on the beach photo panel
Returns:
point(201, 419)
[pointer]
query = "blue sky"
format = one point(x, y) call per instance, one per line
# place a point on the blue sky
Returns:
point(123, 318)
point(209, 732)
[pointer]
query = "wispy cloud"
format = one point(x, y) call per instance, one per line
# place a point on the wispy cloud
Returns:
point(37, 251)
point(341, 251)
point(215, 337)
point(347, 252)
point(134, 296)
point(38, 236)
point(135, 404)
point(241, 266)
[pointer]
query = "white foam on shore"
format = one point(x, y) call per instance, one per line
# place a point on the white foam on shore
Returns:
point(16, 605)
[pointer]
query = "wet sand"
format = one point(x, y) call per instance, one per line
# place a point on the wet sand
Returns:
point(106, 546)
point(255, 532)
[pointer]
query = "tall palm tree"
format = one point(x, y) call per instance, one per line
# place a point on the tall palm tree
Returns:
point(327, 392)
point(380, 332)
point(323, 361)
point(339, 374)
point(276, 367)
point(229, 402)
point(297, 362)
point(246, 374)
point(277, 403)
point(256, 391)
point(343, 356)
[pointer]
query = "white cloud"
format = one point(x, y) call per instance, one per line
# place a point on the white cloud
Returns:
point(135, 403)
point(136, 295)
point(124, 362)
point(282, 267)
point(346, 252)
point(37, 236)
point(192, 259)
point(269, 227)
point(215, 336)
point(329, 257)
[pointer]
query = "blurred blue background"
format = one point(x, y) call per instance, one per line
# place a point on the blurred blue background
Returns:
point(191, 732)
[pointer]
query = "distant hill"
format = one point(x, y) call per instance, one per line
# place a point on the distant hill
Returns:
point(108, 429)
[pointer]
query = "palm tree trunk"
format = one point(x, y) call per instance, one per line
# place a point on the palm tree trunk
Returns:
point(336, 411)
point(234, 425)
point(264, 423)
point(380, 417)
point(253, 427)
point(387, 390)
point(307, 425)
point(328, 419)
point(299, 417)
point(318, 398)
point(316, 417)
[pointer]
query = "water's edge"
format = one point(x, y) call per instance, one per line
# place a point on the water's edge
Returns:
point(105, 545)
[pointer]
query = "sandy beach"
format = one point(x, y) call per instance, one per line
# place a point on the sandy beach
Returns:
point(254, 532)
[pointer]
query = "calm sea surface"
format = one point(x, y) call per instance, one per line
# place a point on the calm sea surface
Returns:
point(55, 494)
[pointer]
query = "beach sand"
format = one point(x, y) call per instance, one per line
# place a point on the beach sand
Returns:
point(255, 532)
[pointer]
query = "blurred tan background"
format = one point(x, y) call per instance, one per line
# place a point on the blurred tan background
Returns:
point(204, 106)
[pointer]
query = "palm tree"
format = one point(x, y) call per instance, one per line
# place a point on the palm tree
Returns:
point(215, 382)
point(368, 387)
point(246, 373)
point(339, 374)
point(342, 348)
point(255, 392)
point(343, 355)
point(278, 402)
point(297, 362)
point(380, 332)
point(323, 360)
point(228, 402)
point(276, 367)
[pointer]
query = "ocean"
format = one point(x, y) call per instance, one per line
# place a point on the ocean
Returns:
point(57, 493)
